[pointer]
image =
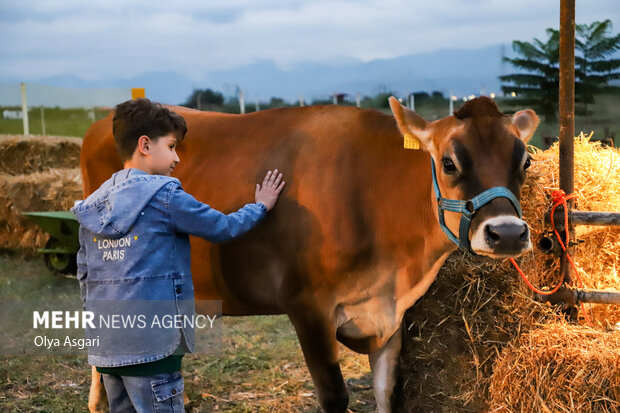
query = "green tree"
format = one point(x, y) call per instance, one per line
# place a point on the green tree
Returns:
point(593, 67)
point(204, 99)
point(536, 84)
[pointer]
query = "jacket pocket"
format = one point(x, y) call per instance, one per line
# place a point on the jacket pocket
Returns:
point(170, 387)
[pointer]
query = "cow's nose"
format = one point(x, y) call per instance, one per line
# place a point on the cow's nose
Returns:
point(507, 237)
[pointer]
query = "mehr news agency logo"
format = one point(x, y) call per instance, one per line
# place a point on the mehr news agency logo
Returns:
point(57, 320)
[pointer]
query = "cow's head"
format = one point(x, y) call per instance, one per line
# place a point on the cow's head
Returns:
point(473, 151)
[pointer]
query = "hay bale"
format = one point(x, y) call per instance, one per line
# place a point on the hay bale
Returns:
point(597, 184)
point(559, 368)
point(28, 154)
point(453, 334)
point(52, 190)
point(477, 306)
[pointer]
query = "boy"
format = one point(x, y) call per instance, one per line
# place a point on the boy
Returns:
point(134, 245)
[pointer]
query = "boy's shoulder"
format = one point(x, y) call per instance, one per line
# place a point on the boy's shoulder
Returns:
point(115, 205)
point(130, 184)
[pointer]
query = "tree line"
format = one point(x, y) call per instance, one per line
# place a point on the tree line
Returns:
point(535, 83)
point(209, 99)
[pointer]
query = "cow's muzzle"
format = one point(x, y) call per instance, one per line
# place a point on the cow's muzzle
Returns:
point(501, 236)
point(500, 239)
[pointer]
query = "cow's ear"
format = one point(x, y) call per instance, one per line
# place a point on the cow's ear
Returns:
point(411, 125)
point(525, 123)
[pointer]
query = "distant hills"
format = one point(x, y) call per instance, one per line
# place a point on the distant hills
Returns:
point(453, 71)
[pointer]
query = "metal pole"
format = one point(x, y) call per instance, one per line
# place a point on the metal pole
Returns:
point(42, 121)
point(572, 297)
point(567, 108)
point(241, 102)
point(594, 218)
point(25, 110)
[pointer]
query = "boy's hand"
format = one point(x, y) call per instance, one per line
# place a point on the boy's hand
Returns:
point(268, 193)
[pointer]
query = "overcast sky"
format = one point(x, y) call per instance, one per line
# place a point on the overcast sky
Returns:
point(113, 38)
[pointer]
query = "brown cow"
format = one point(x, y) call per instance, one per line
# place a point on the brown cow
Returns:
point(355, 238)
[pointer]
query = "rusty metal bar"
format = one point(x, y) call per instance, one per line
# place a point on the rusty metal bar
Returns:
point(567, 109)
point(594, 218)
point(571, 298)
point(598, 296)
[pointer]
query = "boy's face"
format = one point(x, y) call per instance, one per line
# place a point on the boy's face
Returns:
point(162, 157)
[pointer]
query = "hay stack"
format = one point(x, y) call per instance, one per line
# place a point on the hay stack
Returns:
point(52, 190)
point(454, 334)
point(559, 368)
point(28, 154)
point(597, 184)
point(36, 174)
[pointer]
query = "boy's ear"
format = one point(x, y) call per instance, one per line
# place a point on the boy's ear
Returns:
point(412, 126)
point(144, 145)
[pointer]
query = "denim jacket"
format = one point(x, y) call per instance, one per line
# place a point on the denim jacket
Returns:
point(134, 245)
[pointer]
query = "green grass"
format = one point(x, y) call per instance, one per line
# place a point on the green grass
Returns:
point(260, 369)
point(59, 122)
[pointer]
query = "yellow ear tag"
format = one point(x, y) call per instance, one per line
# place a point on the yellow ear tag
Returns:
point(411, 142)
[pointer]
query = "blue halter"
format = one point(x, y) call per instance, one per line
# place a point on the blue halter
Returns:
point(468, 209)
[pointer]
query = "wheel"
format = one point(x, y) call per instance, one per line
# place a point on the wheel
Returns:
point(59, 263)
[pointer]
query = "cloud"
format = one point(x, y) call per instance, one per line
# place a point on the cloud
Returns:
point(195, 37)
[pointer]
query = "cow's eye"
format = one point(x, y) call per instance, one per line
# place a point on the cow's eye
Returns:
point(448, 166)
point(527, 164)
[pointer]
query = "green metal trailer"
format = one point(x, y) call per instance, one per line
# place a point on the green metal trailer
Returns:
point(61, 250)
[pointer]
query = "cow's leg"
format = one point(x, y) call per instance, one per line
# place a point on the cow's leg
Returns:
point(384, 364)
point(317, 336)
point(97, 398)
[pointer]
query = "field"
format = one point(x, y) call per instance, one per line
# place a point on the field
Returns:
point(260, 369)
point(58, 122)
point(74, 122)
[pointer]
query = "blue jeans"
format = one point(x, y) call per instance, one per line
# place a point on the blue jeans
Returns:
point(161, 393)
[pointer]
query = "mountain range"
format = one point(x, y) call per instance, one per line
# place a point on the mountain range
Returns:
point(457, 72)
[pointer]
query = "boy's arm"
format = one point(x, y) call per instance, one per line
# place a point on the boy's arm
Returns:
point(193, 217)
point(82, 268)
point(190, 216)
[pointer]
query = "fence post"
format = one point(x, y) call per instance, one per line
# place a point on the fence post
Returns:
point(301, 100)
point(412, 102)
point(358, 101)
point(25, 110)
point(42, 121)
point(241, 102)
point(567, 110)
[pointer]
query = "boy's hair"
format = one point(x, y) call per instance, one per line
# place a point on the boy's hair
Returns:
point(138, 117)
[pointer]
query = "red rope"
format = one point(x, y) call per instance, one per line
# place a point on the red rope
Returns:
point(559, 198)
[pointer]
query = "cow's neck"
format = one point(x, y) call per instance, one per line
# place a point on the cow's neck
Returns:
point(422, 269)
